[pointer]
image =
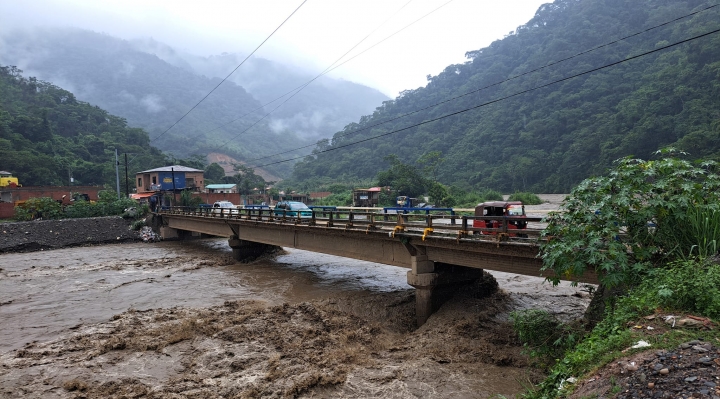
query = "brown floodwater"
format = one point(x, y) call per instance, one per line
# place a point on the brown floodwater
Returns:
point(47, 292)
point(49, 295)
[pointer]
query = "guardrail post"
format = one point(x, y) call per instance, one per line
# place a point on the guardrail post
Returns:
point(330, 221)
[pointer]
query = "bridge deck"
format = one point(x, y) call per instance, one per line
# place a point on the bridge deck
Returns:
point(369, 236)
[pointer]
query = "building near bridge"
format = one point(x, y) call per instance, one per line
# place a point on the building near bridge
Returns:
point(169, 178)
point(222, 188)
point(366, 197)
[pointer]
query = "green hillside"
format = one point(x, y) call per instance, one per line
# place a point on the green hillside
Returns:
point(48, 136)
point(548, 140)
point(153, 85)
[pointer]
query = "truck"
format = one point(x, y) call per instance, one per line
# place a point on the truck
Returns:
point(514, 209)
point(404, 201)
point(7, 180)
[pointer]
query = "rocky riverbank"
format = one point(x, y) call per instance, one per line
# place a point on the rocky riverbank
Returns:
point(52, 234)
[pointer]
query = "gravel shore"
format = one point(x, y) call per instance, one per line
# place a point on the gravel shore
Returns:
point(52, 234)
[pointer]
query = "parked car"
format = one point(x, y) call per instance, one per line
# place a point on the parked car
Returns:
point(292, 208)
point(224, 207)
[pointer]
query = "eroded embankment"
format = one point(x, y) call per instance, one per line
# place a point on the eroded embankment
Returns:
point(52, 234)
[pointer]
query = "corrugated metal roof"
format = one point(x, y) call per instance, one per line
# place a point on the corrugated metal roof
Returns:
point(175, 168)
point(220, 186)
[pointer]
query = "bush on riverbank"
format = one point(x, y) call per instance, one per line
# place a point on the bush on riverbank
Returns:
point(641, 215)
point(651, 230)
point(46, 208)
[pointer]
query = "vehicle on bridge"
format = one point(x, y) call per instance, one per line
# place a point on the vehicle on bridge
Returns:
point(292, 209)
point(404, 201)
point(498, 209)
point(224, 207)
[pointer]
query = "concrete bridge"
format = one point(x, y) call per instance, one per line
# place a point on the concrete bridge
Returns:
point(441, 252)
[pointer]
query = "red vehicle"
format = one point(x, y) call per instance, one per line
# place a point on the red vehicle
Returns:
point(516, 209)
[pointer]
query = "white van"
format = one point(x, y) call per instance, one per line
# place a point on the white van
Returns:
point(224, 207)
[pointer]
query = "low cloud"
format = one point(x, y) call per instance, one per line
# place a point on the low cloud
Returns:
point(152, 103)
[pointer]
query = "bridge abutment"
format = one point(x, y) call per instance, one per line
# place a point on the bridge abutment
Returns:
point(244, 250)
point(436, 282)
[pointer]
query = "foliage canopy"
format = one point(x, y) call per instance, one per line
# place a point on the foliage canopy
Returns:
point(623, 224)
point(550, 139)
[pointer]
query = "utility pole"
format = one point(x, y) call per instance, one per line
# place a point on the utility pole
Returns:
point(172, 170)
point(127, 184)
point(117, 173)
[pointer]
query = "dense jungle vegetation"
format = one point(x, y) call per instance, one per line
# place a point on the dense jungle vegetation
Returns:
point(550, 139)
point(48, 136)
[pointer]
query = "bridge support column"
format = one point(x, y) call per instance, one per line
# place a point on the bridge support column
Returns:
point(435, 283)
point(168, 233)
point(244, 250)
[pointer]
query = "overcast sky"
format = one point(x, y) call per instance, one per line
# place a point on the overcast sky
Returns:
point(316, 36)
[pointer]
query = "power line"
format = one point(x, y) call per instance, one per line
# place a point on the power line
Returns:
point(501, 99)
point(327, 70)
point(233, 71)
point(493, 84)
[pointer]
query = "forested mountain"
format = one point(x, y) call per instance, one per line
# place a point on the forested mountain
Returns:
point(549, 139)
point(130, 80)
point(317, 111)
point(48, 136)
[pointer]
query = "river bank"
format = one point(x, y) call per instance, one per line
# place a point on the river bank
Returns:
point(39, 235)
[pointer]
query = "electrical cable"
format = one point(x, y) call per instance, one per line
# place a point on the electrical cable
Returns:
point(233, 71)
point(493, 84)
point(501, 98)
point(300, 88)
point(327, 70)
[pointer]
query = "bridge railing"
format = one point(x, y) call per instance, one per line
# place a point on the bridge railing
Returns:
point(427, 225)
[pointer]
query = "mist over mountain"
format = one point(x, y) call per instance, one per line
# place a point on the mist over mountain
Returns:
point(152, 86)
point(317, 111)
point(513, 117)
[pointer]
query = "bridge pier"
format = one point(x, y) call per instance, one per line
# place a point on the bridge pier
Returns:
point(244, 250)
point(435, 282)
point(168, 233)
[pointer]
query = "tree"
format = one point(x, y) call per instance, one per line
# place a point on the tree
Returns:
point(430, 162)
point(643, 212)
point(402, 178)
point(213, 173)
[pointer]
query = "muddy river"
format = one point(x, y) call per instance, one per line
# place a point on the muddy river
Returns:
point(183, 319)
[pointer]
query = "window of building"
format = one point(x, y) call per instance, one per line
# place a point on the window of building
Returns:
point(139, 182)
point(154, 180)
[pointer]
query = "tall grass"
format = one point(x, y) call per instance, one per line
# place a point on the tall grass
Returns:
point(694, 234)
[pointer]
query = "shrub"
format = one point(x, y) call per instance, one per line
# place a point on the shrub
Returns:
point(689, 286)
point(526, 198)
point(491, 195)
point(40, 207)
point(337, 199)
point(138, 224)
point(542, 334)
point(624, 224)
